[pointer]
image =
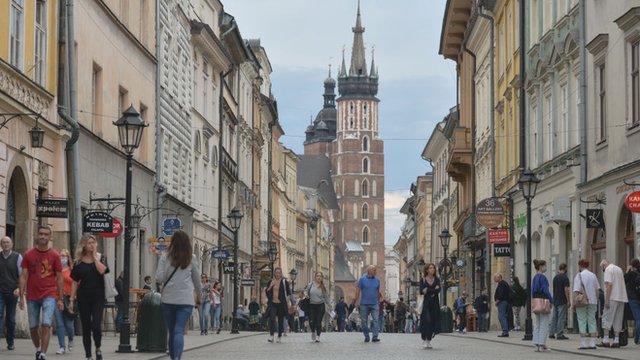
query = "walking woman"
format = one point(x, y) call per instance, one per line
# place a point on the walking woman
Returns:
point(216, 305)
point(205, 306)
point(88, 290)
point(179, 274)
point(430, 316)
point(64, 319)
point(278, 303)
point(318, 301)
point(540, 290)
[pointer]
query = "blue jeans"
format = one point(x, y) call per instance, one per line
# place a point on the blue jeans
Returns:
point(205, 309)
point(176, 318)
point(541, 329)
point(380, 322)
point(217, 311)
point(482, 322)
point(635, 310)
point(119, 316)
point(502, 316)
point(63, 324)
point(8, 303)
point(558, 320)
point(365, 310)
point(47, 305)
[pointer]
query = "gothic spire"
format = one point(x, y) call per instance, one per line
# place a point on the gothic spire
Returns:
point(343, 68)
point(374, 70)
point(358, 62)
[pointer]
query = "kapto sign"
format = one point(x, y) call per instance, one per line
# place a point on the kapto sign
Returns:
point(633, 202)
point(498, 236)
point(501, 250)
point(97, 222)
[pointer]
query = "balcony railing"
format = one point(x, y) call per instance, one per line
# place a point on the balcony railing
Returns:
point(229, 165)
point(460, 154)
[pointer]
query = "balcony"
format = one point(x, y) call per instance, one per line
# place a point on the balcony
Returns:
point(229, 165)
point(460, 158)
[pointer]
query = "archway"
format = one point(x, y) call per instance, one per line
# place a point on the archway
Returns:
point(17, 215)
point(627, 235)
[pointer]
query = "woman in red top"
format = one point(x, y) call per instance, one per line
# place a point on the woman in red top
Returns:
point(64, 319)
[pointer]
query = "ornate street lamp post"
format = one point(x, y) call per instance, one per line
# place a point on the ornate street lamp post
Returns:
point(292, 275)
point(130, 128)
point(528, 184)
point(445, 265)
point(235, 218)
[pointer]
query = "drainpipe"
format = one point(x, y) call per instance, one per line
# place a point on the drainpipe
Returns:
point(473, 154)
point(523, 112)
point(67, 81)
point(583, 111)
point(492, 125)
point(159, 140)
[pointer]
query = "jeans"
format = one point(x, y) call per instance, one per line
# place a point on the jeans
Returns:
point(559, 319)
point(408, 327)
point(341, 323)
point(587, 319)
point(365, 310)
point(119, 316)
point(63, 324)
point(482, 322)
point(635, 310)
point(217, 312)
point(276, 313)
point(205, 309)
point(316, 314)
point(91, 317)
point(176, 318)
point(47, 305)
point(516, 317)
point(502, 316)
point(541, 329)
point(8, 303)
point(463, 321)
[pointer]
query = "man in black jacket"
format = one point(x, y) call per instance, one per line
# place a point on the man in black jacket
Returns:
point(278, 303)
point(341, 313)
point(501, 298)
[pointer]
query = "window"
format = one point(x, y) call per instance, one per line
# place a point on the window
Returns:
point(566, 127)
point(41, 43)
point(351, 107)
point(365, 235)
point(549, 133)
point(534, 138)
point(16, 36)
point(96, 96)
point(374, 188)
point(194, 96)
point(602, 103)
point(365, 188)
point(635, 84)
point(123, 100)
point(365, 212)
point(364, 107)
point(365, 165)
point(365, 144)
point(196, 144)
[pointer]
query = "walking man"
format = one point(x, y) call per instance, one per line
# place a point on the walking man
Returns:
point(341, 313)
point(367, 296)
point(615, 296)
point(481, 304)
point(42, 281)
point(560, 301)
point(501, 298)
point(10, 263)
point(460, 307)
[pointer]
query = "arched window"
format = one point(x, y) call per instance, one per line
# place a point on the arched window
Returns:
point(374, 188)
point(365, 188)
point(365, 212)
point(350, 107)
point(365, 165)
point(196, 144)
point(365, 235)
point(365, 108)
point(365, 144)
point(356, 188)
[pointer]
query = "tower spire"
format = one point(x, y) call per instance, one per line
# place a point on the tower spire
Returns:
point(374, 70)
point(358, 62)
point(343, 69)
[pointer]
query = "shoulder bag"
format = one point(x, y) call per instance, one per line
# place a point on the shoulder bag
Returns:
point(110, 290)
point(580, 299)
point(539, 303)
point(168, 279)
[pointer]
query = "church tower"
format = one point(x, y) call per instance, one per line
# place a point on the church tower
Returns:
point(358, 160)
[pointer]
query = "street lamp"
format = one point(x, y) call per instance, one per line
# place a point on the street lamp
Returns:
point(36, 133)
point(273, 254)
point(235, 218)
point(445, 239)
point(528, 184)
point(407, 283)
point(130, 128)
point(292, 275)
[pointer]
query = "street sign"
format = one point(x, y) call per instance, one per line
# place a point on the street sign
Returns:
point(595, 219)
point(52, 208)
point(159, 245)
point(490, 212)
point(228, 268)
point(498, 236)
point(171, 225)
point(220, 254)
point(633, 202)
point(248, 282)
point(97, 222)
point(501, 250)
point(117, 230)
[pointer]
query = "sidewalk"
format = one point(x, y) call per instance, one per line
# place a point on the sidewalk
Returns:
point(25, 350)
point(565, 346)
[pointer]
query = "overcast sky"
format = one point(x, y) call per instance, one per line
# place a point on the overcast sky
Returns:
point(417, 86)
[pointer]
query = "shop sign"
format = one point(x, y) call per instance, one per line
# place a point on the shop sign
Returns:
point(498, 236)
point(97, 222)
point(501, 250)
point(595, 219)
point(52, 208)
point(633, 202)
point(117, 230)
point(490, 212)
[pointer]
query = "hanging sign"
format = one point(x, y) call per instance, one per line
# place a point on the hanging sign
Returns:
point(171, 225)
point(595, 219)
point(498, 236)
point(490, 212)
point(248, 282)
point(159, 245)
point(220, 254)
point(228, 268)
point(117, 230)
point(501, 250)
point(97, 222)
point(52, 208)
point(633, 202)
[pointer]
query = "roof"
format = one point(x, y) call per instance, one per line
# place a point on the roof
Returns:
point(312, 171)
point(354, 246)
point(341, 270)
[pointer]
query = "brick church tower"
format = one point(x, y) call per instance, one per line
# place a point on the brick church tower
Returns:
point(347, 131)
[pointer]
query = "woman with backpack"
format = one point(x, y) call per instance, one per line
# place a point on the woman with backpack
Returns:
point(518, 302)
point(318, 302)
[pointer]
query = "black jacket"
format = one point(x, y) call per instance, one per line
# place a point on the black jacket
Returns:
point(341, 309)
point(283, 295)
point(502, 291)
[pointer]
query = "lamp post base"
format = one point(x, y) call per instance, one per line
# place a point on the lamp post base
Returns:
point(124, 349)
point(528, 330)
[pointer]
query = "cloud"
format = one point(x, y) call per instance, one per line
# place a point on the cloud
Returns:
point(393, 219)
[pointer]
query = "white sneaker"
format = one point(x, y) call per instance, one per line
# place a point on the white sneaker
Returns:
point(318, 338)
point(424, 344)
point(60, 351)
point(429, 345)
point(270, 339)
point(313, 336)
point(279, 340)
point(70, 346)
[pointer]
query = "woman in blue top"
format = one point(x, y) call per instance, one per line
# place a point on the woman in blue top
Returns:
point(540, 289)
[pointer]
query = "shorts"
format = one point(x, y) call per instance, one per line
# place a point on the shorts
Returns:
point(48, 307)
point(612, 317)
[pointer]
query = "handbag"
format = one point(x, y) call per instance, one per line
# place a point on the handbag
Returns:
point(110, 290)
point(540, 306)
point(580, 299)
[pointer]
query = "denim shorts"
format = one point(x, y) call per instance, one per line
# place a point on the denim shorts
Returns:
point(48, 307)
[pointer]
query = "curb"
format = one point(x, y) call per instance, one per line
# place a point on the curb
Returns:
point(528, 345)
point(164, 355)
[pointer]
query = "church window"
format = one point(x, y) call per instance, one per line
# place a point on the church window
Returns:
point(351, 107)
point(365, 188)
point(365, 212)
point(365, 235)
point(365, 143)
point(365, 108)
point(365, 165)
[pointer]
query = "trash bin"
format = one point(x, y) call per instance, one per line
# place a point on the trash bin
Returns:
point(152, 330)
point(446, 320)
